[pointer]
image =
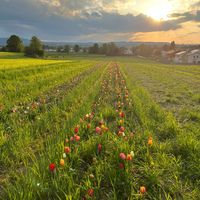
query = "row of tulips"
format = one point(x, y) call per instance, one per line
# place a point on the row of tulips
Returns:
point(113, 86)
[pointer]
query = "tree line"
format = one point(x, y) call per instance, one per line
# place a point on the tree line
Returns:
point(15, 44)
point(36, 48)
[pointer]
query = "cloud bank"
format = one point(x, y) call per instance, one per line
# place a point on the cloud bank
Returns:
point(84, 20)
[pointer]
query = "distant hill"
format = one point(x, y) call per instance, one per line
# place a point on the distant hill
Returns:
point(87, 44)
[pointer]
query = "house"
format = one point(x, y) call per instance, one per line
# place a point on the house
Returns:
point(127, 52)
point(194, 57)
point(71, 50)
point(50, 50)
point(180, 57)
point(188, 57)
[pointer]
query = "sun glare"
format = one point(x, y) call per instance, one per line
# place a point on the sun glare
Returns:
point(159, 11)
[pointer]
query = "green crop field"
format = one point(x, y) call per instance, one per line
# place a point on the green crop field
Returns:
point(97, 127)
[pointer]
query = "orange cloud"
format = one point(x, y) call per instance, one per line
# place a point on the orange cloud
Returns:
point(187, 34)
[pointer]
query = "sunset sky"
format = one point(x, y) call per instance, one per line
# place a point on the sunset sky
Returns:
point(102, 20)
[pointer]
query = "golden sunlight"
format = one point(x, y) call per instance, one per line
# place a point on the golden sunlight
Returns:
point(159, 10)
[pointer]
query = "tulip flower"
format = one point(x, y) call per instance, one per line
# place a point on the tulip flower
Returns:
point(76, 129)
point(87, 116)
point(64, 155)
point(99, 148)
point(98, 130)
point(150, 141)
point(91, 192)
point(121, 114)
point(122, 129)
point(121, 122)
point(52, 167)
point(120, 133)
point(62, 162)
point(129, 157)
point(88, 126)
point(122, 156)
point(106, 129)
point(101, 123)
point(67, 150)
point(77, 137)
point(121, 165)
point(132, 153)
point(91, 176)
point(142, 190)
point(66, 140)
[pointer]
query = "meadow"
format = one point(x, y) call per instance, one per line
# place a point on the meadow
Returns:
point(96, 127)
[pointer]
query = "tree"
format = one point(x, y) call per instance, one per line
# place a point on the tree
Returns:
point(172, 45)
point(14, 44)
point(35, 48)
point(144, 50)
point(94, 49)
point(112, 49)
point(67, 49)
point(59, 49)
point(35, 44)
point(103, 49)
point(76, 48)
point(85, 50)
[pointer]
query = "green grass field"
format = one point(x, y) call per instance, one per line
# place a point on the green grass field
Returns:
point(96, 127)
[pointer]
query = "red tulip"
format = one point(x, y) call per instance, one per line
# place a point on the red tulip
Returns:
point(121, 114)
point(99, 148)
point(121, 165)
point(67, 150)
point(129, 157)
point(77, 137)
point(52, 167)
point(91, 192)
point(76, 129)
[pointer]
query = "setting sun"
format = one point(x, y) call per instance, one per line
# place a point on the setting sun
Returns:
point(159, 11)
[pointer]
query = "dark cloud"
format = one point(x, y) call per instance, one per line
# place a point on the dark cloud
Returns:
point(195, 5)
point(69, 20)
point(187, 16)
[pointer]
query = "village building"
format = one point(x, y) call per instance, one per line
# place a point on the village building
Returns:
point(194, 57)
point(128, 52)
point(185, 57)
point(180, 57)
